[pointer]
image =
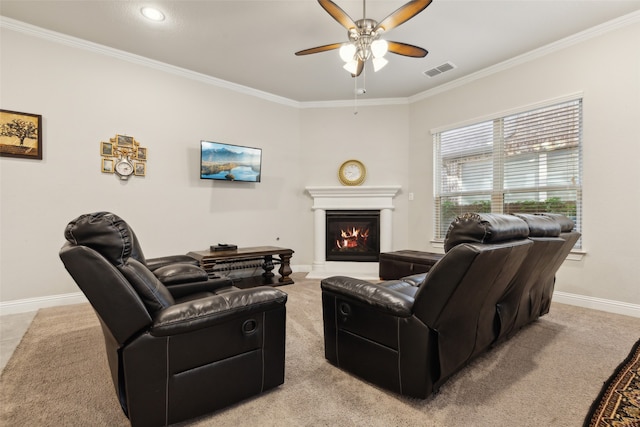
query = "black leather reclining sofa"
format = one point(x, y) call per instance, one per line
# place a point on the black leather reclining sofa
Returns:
point(411, 335)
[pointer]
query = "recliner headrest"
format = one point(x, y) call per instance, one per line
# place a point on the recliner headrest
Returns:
point(484, 228)
point(540, 225)
point(105, 233)
point(566, 224)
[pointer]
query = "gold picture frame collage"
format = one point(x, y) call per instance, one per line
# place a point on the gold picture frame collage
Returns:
point(123, 150)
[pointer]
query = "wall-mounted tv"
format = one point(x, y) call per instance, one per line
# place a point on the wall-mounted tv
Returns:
point(227, 162)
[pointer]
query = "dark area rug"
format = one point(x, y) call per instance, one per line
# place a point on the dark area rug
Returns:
point(618, 404)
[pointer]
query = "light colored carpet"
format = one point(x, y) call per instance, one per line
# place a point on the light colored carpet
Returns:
point(547, 375)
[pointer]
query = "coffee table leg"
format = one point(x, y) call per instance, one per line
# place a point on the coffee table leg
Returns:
point(267, 267)
point(285, 268)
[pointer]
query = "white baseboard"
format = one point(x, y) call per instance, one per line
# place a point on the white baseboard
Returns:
point(601, 304)
point(359, 270)
point(34, 304)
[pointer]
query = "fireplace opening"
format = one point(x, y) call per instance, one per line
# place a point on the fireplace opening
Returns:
point(353, 236)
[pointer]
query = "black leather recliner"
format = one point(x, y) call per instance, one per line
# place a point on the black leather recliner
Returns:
point(174, 352)
point(181, 272)
point(570, 237)
point(522, 300)
point(529, 294)
point(411, 336)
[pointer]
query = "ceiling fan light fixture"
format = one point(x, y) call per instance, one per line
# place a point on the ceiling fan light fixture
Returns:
point(347, 51)
point(364, 36)
point(379, 48)
point(351, 66)
point(379, 63)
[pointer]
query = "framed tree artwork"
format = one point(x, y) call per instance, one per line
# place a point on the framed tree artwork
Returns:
point(20, 135)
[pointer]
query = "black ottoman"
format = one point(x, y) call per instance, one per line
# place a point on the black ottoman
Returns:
point(396, 265)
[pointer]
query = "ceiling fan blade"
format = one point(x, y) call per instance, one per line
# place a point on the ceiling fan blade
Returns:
point(359, 69)
point(337, 13)
point(319, 49)
point(403, 14)
point(406, 49)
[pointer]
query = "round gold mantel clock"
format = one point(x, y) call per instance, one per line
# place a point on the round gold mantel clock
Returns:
point(352, 172)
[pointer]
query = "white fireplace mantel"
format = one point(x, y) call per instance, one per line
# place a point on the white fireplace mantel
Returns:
point(363, 197)
point(350, 198)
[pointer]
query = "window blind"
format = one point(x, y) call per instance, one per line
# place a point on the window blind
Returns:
point(529, 162)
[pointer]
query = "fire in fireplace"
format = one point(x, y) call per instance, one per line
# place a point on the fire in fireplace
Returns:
point(353, 236)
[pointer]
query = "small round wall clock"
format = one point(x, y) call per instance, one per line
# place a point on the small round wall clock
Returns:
point(352, 172)
point(124, 168)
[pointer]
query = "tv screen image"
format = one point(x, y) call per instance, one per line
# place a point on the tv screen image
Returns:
point(228, 162)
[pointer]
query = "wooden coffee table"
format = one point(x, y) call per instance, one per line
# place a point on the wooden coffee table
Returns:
point(215, 261)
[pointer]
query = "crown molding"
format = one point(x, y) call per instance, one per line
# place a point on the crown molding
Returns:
point(354, 103)
point(75, 42)
point(615, 24)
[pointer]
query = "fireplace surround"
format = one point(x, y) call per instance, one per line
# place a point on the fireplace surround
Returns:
point(364, 198)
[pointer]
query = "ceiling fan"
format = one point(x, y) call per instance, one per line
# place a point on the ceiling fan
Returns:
point(364, 36)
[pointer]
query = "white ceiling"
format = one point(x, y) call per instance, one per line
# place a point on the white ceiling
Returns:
point(252, 43)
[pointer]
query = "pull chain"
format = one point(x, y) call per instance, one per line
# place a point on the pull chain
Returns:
point(357, 91)
point(355, 96)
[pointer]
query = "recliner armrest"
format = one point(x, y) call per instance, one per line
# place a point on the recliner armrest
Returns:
point(179, 290)
point(415, 279)
point(173, 274)
point(155, 263)
point(376, 295)
point(197, 314)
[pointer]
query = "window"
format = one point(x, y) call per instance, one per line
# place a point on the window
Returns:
point(528, 162)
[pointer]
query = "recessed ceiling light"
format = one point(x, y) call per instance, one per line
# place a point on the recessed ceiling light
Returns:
point(153, 14)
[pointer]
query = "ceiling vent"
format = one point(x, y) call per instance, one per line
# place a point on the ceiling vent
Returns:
point(447, 66)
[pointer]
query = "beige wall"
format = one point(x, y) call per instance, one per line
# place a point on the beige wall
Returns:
point(377, 136)
point(86, 97)
point(606, 70)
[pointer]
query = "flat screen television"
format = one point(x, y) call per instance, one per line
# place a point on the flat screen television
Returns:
point(227, 162)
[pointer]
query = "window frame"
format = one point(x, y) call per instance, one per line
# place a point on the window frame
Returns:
point(500, 190)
